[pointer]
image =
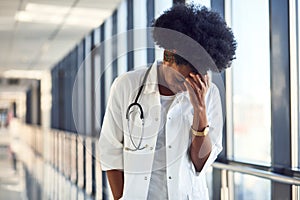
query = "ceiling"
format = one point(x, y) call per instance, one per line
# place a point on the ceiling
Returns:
point(36, 34)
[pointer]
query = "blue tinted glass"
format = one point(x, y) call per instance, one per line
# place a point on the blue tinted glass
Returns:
point(251, 81)
point(248, 187)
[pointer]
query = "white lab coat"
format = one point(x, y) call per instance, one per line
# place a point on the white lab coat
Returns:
point(183, 181)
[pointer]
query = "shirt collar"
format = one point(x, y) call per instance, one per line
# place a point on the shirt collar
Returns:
point(151, 84)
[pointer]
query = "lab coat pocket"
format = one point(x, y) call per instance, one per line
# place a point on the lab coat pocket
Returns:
point(139, 161)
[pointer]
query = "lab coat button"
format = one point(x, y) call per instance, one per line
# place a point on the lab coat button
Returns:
point(170, 177)
point(151, 148)
point(156, 119)
point(145, 178)
point(170, 146)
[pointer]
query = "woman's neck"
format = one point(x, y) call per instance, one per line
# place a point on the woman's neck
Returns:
point(162, 84)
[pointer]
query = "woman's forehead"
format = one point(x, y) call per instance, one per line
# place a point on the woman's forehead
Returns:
point(187, 69)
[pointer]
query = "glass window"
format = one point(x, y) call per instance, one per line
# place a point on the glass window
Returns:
point(248, 187)
point(298, 63)
point(108, 71)
point(251, 82)
point(97, 76)
point(108, 56)
point(122, 43)
point(87, 84)
point(159, 8)
point(200, 2)
point(78, 99)
point(140, 37)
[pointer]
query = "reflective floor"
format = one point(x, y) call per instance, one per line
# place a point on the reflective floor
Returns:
point(11, 174)
point(44, 169)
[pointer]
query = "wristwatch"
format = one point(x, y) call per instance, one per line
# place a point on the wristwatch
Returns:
point(201, 133)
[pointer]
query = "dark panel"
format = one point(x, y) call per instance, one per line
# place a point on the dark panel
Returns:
point(61, 110)
point(73, 66)
point(130, 55)
point(87, 85)
point(55, 113)
point(93, 175)
point(216, 184)
point(280, 102)
point(115, 44)
point(281, 191)
point(28, 107)
point(68, 95)
point(65, 92)
point(15, 109)
point(62, 94)
point(150, 42)
point(53, 97)
point(94, 182)
point(102, 99)
point(93, 109)
point(280, 94)
point(39, 114)
point(80, 101)
point(84, 103)
point(102, 68)
point(218, 6)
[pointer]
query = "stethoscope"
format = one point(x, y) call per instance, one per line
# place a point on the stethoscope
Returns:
point(128, 112)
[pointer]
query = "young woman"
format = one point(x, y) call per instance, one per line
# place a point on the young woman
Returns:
point(163, 125)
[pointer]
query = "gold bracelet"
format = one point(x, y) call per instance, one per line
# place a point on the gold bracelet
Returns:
point(201, 133)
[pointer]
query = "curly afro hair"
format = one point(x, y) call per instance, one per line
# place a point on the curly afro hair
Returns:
point(205, 27)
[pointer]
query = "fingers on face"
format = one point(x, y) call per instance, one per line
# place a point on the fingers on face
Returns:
point(190, 89)
point(191, 82)
point(201, 81)
point(195, 77)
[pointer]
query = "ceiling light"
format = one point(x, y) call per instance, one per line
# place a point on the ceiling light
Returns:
point(42, 13)
point(23, 16)
point(30, 74)
point(47, 9)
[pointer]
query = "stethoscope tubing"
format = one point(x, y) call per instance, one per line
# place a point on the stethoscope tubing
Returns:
point(135, 103)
